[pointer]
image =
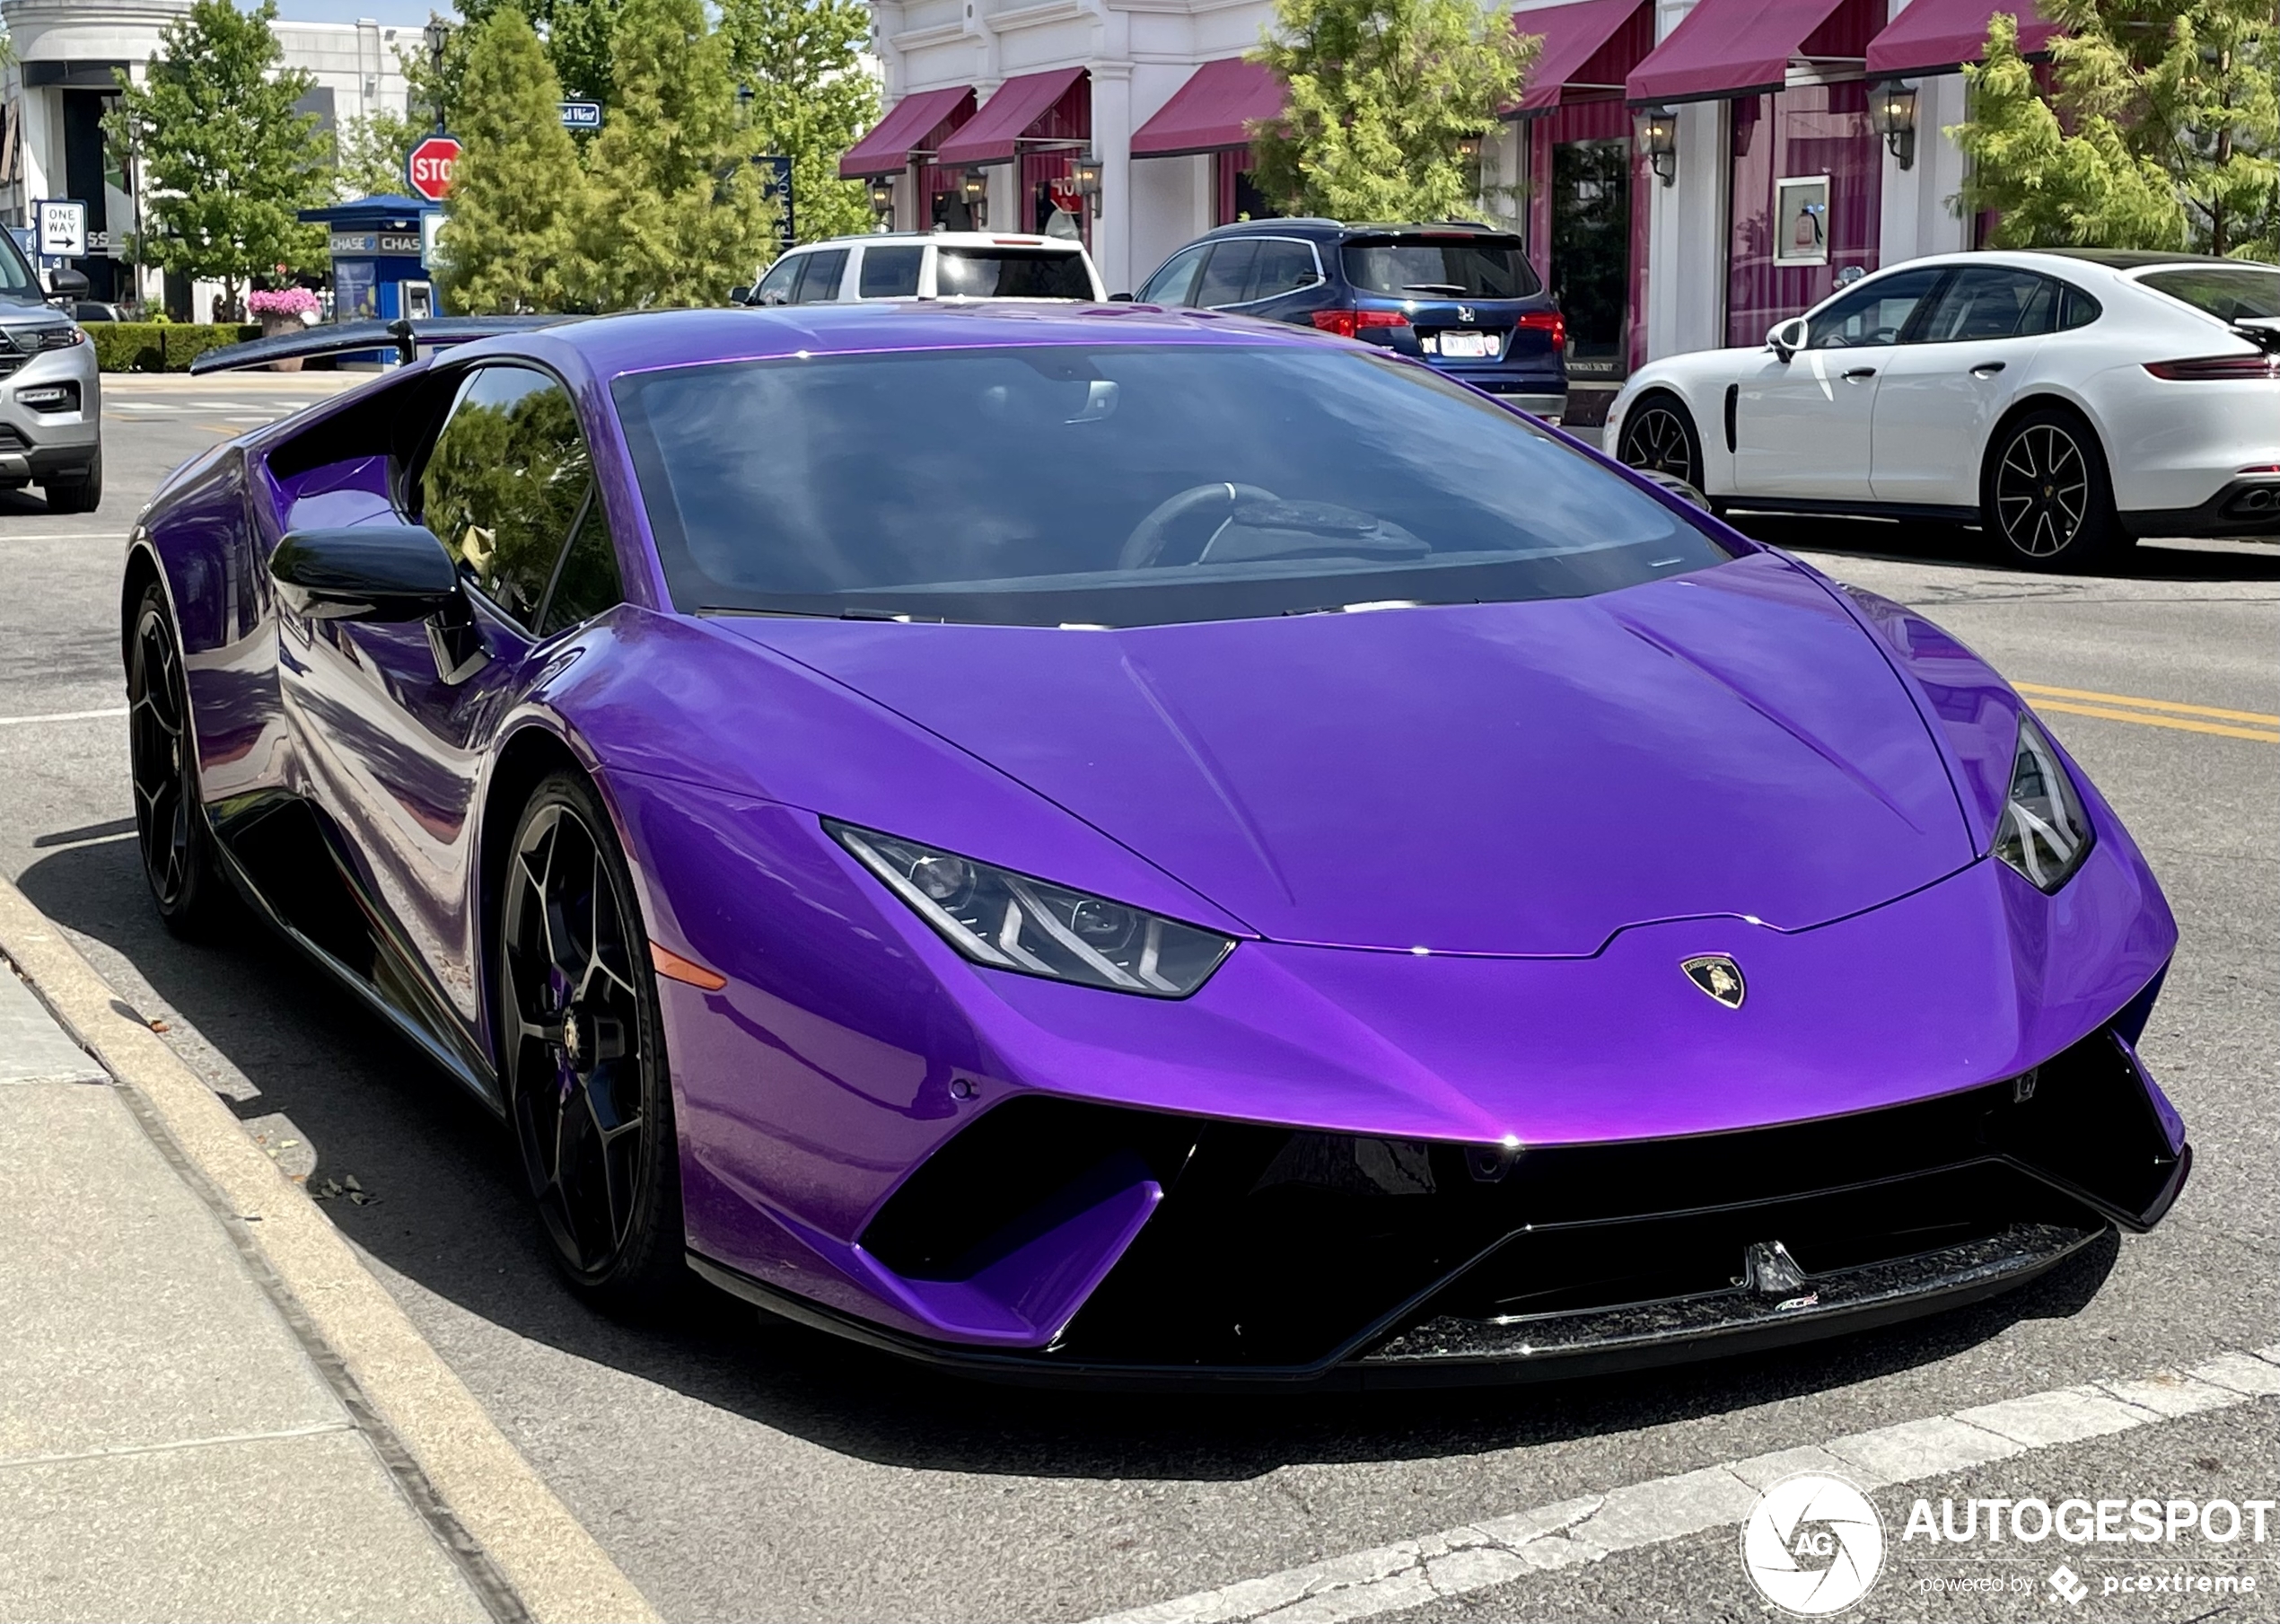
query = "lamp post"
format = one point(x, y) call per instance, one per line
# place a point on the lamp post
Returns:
point(1659, 140)
point(1892, 114)
point(882, 202)
point(438, 34)
point(973, 189)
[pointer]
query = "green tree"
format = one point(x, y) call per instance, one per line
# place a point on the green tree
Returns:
point(518, 191)
point(576, 33)
point(676, 214)
point(227, 162)
point(2161, 131)
point(1378, 94)
point(369, 159)
point(811, 98)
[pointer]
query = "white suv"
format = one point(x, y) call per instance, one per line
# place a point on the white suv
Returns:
point(928, 265)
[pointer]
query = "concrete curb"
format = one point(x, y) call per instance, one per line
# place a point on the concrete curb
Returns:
point(558, 1572)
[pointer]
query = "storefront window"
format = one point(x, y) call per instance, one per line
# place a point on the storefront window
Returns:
point(1234, 196)
point(1586, 239)
point(1807, 184)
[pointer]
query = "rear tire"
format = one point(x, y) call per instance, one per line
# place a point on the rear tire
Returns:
point(2045, 497)
point(581, 1046)
point(80, 493)
point(1658, 436)
point(178, 859)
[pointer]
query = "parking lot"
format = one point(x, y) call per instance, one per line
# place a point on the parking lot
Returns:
point(737, 1468)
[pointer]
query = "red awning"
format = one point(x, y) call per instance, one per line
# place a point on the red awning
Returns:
point(1733, 47)
point(1939, 36)
point(1212, 113)
point(1574, 35)
point(988, 136)
point(887, 149)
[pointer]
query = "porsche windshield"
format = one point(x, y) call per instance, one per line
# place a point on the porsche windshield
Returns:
point(1119, 485)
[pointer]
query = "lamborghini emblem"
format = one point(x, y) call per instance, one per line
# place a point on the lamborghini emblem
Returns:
point(1718, 976)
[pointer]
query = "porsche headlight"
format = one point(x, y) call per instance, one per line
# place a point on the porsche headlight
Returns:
point(1010, 921)
point(2044, 833)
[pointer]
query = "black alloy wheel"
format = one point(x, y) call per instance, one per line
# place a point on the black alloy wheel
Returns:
point(585, 1072)
point(1659, 437)
point(2045, 493)
point(178, 857)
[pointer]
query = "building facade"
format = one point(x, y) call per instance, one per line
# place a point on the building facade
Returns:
point(1685, 172)
point(53, 97)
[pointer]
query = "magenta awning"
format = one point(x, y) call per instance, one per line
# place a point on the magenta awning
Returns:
point(1732, 48)
point(1940, 36)
point(887, 149)
point(1213, 111)
point(989, 136)
point(1582, 46)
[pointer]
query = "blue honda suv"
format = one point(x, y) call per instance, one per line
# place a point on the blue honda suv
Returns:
point(1462, 297)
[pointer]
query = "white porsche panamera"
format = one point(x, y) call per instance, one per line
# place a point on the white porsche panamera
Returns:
point(2068, 402)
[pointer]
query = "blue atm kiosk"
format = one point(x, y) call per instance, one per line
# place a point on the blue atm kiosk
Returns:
point(376, 269)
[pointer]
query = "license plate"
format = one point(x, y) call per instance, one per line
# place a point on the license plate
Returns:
point(1473, 346)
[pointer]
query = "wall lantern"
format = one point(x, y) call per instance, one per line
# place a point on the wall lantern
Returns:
point(1892, 114)
point(973, 189)
point(1088, 180)
point(882, 201)
point(1659, 139)
point(1468, 148)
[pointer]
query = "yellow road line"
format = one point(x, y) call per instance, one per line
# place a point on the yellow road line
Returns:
point(2136, 703)
point(2182, 723)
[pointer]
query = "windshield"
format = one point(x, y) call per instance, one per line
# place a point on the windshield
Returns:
point(2230, 293)
point(16, 278)
point(1010, 273)
point(1469, 267)
point(1120, 486)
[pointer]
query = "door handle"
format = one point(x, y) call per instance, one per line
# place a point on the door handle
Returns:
point(1862, 372)
point(1986, 369)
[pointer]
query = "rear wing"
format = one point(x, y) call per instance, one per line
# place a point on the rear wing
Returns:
point(405, 338)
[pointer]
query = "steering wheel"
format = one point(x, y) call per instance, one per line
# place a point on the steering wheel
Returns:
point(1146, 543)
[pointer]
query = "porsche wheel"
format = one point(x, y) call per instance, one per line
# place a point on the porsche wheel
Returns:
point(178, 859)
point(584, 1073)
point(1658, 438)
point(2046, 495)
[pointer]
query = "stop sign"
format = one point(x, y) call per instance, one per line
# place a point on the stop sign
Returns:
point(428, 167)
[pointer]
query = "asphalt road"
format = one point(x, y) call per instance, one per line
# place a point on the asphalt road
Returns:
point(738, 1468)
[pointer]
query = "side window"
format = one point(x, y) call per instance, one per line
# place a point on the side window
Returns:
point(1875, 314)
point(1175, 280)
point(782, 277)
point(819, 285)
point(1228, 274)
point(2076, 308)
point(587, 583)
point(504, 482)
point(1283, 266)
point(890, 273)
point(1984, 302)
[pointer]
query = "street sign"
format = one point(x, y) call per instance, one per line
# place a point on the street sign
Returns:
point(427, 168)
point(63, 228)
point(775, 182)
point(581, 115)
point(431, 226)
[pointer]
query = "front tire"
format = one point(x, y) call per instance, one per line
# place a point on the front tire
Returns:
point(179, 858)
point(588, 1094)
point(81, 493)
point(2046, 496)
point(1658, 436)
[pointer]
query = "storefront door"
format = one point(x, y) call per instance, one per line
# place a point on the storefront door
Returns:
point(1591, 255)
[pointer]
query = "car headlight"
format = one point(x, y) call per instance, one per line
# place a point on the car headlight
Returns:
point(2044, 834)
point(1009, 921)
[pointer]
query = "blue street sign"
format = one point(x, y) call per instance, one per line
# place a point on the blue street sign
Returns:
point(775, 182)
point(581, 115)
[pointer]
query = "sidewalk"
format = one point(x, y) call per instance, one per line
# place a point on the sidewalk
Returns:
point(172, 1443)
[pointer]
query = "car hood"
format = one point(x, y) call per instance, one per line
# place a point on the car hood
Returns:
point(1507, 779)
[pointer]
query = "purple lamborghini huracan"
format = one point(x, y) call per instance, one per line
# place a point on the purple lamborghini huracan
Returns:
point(1118, 845)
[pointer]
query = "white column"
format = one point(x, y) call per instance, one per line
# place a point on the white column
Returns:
point(1112, 143)
point(1686, 239)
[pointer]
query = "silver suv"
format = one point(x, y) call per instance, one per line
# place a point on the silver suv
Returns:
point(51, 403)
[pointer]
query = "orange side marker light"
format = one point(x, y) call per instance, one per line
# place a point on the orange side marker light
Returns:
point(673, 967)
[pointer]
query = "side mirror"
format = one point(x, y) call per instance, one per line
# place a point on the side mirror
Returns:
point(742, 293)
point(1785, 339)
point(1120, 298)
point(369, 572)
point(68, 285)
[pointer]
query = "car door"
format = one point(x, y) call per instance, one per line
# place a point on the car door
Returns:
point(1943, 391)
point(1802, 426)
point(397, 741)
point(1227, 273)
point(820, 278)
point(1282, 268)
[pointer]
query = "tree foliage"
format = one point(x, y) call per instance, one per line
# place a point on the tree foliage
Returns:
point(676, 214)
point(369, 155)
point(227, 162)
point(810, 99)
point(2161, 131)
point(518, 193)
point(1377, 95)
point(576, 36)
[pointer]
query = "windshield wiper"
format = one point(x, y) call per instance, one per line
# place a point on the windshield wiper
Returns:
point(1432, 287)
